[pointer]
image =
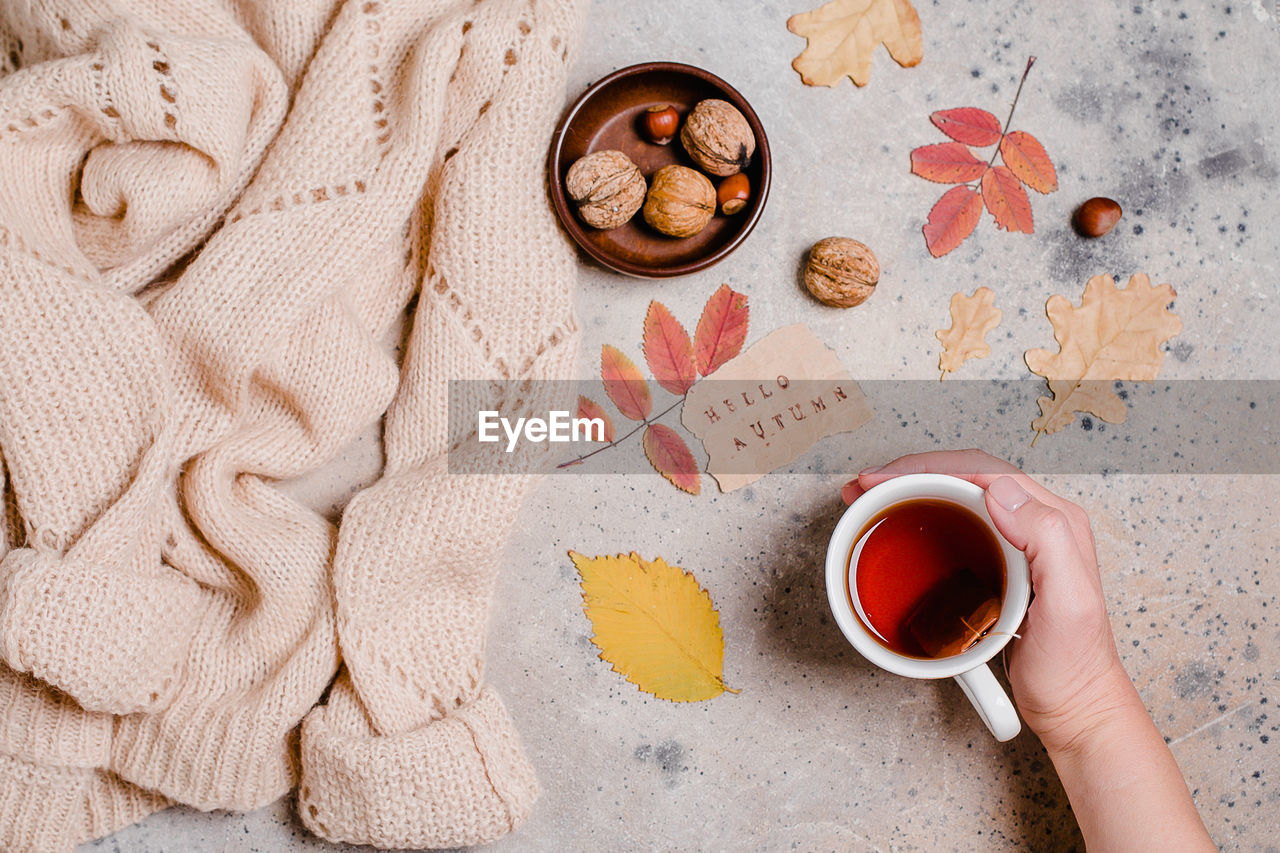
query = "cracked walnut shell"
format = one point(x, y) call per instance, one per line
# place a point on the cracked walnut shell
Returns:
point(841, 272)
point(607, 187)
point(681, 201)
point(718, 138)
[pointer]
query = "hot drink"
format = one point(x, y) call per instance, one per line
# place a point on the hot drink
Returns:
point(929, 578)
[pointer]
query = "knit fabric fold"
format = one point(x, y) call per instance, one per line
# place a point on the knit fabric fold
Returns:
point(53, 794)
point(213, 217)
point(412, 580)
point(462, 779)
point(51, 808)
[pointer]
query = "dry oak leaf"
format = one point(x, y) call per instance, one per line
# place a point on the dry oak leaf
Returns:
point(972, 317)
point(671, 457)
point(668, 350)
point(1113, 335)
point(655, 624)
point(844, 34)
point(624, 384)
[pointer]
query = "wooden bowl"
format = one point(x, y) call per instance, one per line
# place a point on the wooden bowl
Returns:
point(607, 116)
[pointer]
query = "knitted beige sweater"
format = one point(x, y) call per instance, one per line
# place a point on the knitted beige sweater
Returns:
point(212, 215)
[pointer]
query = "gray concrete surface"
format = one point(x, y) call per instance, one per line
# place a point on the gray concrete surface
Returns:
point(1166, 106)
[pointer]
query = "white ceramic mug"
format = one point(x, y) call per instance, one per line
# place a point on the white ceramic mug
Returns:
point(969, 668)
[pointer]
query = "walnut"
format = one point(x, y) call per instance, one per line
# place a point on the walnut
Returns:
point(841, 272)
point(680, 202)
point(718, 138)
point(607, 187)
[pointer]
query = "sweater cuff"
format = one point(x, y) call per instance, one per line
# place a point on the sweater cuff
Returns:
point(42, 808)
point(110, 638)
point(209, 757)
point(460, 780)
point(50, 809)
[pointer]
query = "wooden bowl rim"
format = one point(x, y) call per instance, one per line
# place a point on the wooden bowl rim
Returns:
point(575, 229)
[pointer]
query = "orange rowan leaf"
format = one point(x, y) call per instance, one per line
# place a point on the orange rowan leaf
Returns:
point(969, 125)
point(668, 350)
point(952, 219)
point(722, 329)
point(946, 163)
point(624, 384)
point(671, 457)
point(1026, 158)
point(1113, 335)
point(592, 410)
point(1007, 200)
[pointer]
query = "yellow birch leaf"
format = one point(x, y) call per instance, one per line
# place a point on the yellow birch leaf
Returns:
point(654, 623)
point(844, 34)
point(972, 317)
point(1114, 335)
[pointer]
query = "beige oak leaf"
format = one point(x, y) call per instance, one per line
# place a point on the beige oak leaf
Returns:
point(655, 624)
point(1113, 335)
point(844, 34)
point(972, 317)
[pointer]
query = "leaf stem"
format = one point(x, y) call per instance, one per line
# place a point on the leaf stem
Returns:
point(644, 423)
point(1004, 131)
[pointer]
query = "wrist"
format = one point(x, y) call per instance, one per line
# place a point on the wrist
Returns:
point(1123, 783)
point(1109, 704)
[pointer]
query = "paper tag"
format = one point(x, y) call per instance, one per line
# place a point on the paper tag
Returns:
point(764, 408)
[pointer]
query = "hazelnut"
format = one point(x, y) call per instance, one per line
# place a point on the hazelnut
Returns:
point(841, 272)
point(607, 187)
point(680, 201)
point(660, 123)
point(1097, 216)
point(718, 138)
point(733, 194)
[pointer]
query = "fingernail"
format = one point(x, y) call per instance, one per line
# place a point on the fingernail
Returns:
point(850, 492)
point(1008, 493)
point(866, 471)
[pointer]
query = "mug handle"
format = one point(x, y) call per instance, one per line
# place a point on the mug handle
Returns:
point(990, 701)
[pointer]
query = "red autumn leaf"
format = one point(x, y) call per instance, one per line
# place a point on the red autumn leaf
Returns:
point(969, 125)
point(1007, 200)
point(1026, 158)
point(952, 219)
point(722, 329)
point(591, 410)
point(668, 350)
point(671, 457)
point(624, 384)
point(946, 163)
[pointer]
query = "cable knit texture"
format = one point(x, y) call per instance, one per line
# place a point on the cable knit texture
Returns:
point(214, 217)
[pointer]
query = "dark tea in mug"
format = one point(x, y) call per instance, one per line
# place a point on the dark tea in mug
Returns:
point(929, 578)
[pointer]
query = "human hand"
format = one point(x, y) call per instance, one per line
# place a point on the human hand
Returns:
point(1064, 669)
point(1124, 785)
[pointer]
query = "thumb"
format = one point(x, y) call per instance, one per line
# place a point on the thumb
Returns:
point(1059, 572)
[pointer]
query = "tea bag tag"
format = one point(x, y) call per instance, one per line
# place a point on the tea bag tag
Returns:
point(954, 616)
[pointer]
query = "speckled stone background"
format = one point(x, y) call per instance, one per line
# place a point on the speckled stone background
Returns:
point(1169, 107)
